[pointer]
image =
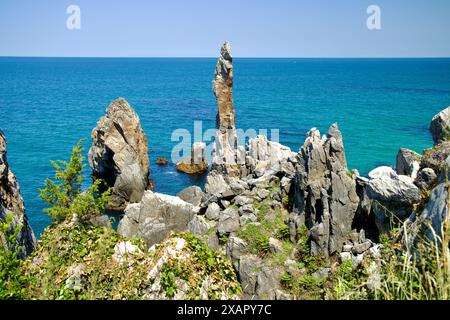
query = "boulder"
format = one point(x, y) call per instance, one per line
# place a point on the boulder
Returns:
point(425, 179)
point(228, 221)
point(162, 161)
point(199, 226)
point(192, 194)
point(267, 155)
point(119, 155)
point(217, 185)
point(325, 198)
point(391, 194)
point(155, 216)
point(440, 126)
point(195, 163)
point(11, 202)
point(213, 211)
point(408, 163)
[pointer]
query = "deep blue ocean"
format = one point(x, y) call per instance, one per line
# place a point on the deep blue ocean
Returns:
point(48, 104)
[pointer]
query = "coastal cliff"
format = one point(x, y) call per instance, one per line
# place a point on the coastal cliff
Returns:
point(270, 222)
point(11, 203)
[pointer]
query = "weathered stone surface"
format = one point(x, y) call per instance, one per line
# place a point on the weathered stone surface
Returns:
point(217, 185)
point(119, 154)
point(155, 216)
point(228, 221)
point(275, 245)
point(391, 194)
point(434, 158)
point(408, 163)
point(267, 155)
point(195, 163)
point(11, 202)
point(213, 211)
point(440, 126)
point(192, 194)
point(429, 222)
point(199, 226)
point(325, 198)
point(425, 178)
point(235, 248)
point(224, 158)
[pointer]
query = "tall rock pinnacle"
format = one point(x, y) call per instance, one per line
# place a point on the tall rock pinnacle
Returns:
point(225, 152)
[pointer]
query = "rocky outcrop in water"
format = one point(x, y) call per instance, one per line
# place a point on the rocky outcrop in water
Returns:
point(119, 154)
point(195, 163)
point(11, 202)
point(155, 216)
point(440, 126)
point(325, 199)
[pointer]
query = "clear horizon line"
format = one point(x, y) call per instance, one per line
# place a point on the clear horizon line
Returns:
point(235, 57)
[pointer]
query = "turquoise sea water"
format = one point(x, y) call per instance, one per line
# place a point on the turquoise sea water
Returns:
point(47, 104)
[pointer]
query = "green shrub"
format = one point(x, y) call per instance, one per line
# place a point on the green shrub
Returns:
point(11, 279)
point(64, 195)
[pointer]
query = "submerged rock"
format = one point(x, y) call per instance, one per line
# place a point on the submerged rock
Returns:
point(440, 126)
point(155, 216)
point(325, 199)
point(119, 154)
point(11, 202)
point(161, 161)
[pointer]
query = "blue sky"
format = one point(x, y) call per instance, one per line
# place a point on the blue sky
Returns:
point(196, 28)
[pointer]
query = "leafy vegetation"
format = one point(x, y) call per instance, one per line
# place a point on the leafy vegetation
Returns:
point(11, 279)
point(64, 195)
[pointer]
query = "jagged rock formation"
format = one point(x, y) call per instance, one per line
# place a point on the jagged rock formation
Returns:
point(11, 202)
point(325, 199)
point(440, 126)
point(119, 154)
point(155, 216)
point(225, 147)
point(195, 163)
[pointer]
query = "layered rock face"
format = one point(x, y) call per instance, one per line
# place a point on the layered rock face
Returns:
point(440, 126)
point(224, 153)
point(325, 199)
point(155, 216)
point(11, 202)
point(119, 154)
